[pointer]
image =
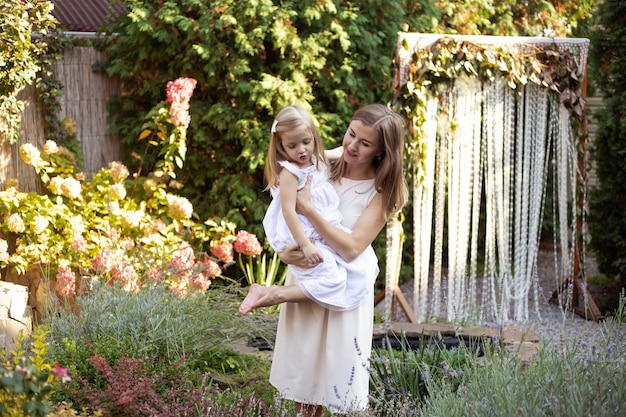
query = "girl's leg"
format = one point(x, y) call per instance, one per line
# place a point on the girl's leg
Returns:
point(307, 410)
point(261, 296)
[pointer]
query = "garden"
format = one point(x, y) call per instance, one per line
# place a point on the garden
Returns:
point(143, 265)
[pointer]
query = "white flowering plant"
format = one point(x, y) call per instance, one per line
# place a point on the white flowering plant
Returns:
point(130, 230)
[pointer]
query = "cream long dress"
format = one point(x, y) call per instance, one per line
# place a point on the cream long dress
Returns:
point(321, 357)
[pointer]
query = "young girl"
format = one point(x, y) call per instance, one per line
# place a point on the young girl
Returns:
point(296, 153)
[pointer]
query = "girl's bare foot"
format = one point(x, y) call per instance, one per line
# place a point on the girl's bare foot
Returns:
point(260, 296)
point(255, 292)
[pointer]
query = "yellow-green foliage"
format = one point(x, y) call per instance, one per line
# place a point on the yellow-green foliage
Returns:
point(65, 410)
point(26, 376)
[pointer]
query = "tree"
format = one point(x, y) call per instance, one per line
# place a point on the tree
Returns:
point(607, 202)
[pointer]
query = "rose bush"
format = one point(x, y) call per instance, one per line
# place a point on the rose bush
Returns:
point(133, 230)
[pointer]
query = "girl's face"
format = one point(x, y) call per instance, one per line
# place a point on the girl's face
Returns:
point(299, 146)
point(361, 144)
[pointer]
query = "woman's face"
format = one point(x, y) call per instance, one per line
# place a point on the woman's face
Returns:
point(361, 144)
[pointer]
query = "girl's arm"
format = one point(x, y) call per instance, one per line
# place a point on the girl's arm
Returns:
point(348, 245)
point(288, 190)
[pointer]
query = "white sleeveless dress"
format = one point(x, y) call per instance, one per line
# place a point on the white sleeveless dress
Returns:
point(334, 283)
point(322, 356)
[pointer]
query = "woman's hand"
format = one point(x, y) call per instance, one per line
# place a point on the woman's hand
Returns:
point(303, 198)
point(293, 256)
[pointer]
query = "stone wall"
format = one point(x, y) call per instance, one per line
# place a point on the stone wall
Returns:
point(15, 314)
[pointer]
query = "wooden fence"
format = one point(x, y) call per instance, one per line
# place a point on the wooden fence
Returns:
point(84, 98)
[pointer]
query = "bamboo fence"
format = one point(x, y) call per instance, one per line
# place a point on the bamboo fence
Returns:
point(84, 98)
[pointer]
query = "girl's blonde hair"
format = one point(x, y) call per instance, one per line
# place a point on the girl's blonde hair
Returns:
point(289, 119)
point(390, 180)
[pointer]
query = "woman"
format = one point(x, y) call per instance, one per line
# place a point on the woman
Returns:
point(321, 357)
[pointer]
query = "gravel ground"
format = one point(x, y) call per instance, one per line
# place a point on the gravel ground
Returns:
point(554, 326)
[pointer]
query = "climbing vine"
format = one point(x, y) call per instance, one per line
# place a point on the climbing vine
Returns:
point(19, 52)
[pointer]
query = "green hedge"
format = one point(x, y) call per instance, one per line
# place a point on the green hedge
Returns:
point(607, 201)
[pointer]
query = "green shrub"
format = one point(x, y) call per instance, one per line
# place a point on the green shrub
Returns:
point(403, 374)
point(607, 59)
point(154, 323)
point(578, 382)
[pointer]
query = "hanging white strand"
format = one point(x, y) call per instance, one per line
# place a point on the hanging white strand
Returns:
point(423, 212)
point(453, 218)
point(563, 182)
point(543, 160)
point(537, 155)
point(572, 196)
point(461, 170)
point(476, 186)
point(508, 153)
point(491, 210)
point(555, 214)
point(521, 188)
point(500, 195)
point(393, 262)
point(440, 289)
point(511, 243)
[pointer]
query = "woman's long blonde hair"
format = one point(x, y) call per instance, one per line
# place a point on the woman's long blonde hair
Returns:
point(390, 180)
point(288, 119)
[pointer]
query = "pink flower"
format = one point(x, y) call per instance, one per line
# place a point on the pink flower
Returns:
point(127, 243)
point(125, 274)
point(155, 275)
point(60, 373)
point(158, 225)
point(200, 282)
point(248, 244)
point(103, 262)
point(180, 90)
point(180, 115)
point(113, 234)
point(66, 282)
point(222, 250)
point(211, 267)
point(183, 259)
point(178, 93)
point(79, 244)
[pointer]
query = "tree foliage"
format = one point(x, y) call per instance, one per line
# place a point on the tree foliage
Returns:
point(502, 18)
point(607, 202)
point(253, 57)
point(250, 59)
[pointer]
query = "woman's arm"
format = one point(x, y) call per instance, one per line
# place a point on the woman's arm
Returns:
point(333, 154)
point(348, 245)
